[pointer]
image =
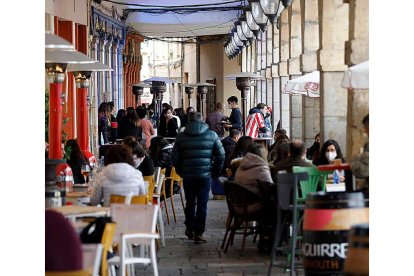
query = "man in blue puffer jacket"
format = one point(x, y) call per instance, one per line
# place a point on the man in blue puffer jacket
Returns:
point(197, 156)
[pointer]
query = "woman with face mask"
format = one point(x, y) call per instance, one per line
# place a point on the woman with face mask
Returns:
point(142, 161)
point(329, 152)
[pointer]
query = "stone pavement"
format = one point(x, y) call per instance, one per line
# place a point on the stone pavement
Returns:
point(181, 256)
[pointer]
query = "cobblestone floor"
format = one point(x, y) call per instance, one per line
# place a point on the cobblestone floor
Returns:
point(181, 256)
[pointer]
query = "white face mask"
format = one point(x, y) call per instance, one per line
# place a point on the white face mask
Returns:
point(138, 161)
point(330, 155)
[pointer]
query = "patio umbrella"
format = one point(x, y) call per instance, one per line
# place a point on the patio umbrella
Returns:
point(307, 85)
point(357, 76)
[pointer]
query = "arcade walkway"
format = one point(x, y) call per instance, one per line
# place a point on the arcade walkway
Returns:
point(182, 257)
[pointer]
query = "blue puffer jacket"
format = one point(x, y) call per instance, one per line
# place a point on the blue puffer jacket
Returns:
point(198, 152)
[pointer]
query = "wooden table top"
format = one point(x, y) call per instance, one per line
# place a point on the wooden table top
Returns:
point(332, 167)
point(78, 210)
point(78, 194)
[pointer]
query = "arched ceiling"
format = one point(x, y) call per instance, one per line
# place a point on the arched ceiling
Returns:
point(180, 24)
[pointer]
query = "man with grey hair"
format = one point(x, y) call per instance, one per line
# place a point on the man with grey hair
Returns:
point(197, 156)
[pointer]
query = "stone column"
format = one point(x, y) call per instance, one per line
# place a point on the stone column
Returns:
point(309, 63)
point(114, 74)
point(103, 91)
point(108, 75)
point(334, 99)
point(275, 77)
point(295, 39)
point(284, 42)
point(357, 52)
point(93, 99)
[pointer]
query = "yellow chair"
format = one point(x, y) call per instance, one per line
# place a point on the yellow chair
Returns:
point(151, 181)
point(117, 199)
point(163, 195)
point(175, 177)
point(106, 241)
point(139, 199)
point(68, 273)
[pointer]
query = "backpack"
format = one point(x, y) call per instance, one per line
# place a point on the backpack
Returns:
point(93, 232)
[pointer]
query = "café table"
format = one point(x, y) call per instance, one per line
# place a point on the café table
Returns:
point(349, 178)
point(71, 212)
point(78, 198)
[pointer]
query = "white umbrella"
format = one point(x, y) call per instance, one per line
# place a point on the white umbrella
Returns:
point(307, 85)
point(357, 76)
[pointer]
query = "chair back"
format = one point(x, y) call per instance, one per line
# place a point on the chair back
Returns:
point(174, 175)
point(241, 201)
point(137, 218)
point(139, 199)
point(157, 173)
point(106, 241)
point(287, 184)
point(68, 273)
point(160, 184)
point(151, 185)
point(113, 198)
point(92, 257)
point(315, 177)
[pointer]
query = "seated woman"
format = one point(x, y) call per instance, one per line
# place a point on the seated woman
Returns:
point(329, 152)
point(239, 151)
point(142, 161)
point(118, 177)
point(76, 160)
point(63, 248)
point(254, 171)
point(160, 153)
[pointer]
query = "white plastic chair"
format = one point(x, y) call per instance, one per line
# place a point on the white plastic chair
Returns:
point(135, 224)
point(92, 255)
point(157, 195)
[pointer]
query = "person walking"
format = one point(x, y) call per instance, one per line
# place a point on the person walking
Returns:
point(197, 156)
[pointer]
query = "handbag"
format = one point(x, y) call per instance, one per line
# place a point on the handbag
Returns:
point(93, 232)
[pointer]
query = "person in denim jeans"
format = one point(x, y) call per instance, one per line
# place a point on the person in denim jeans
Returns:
point(197, 156)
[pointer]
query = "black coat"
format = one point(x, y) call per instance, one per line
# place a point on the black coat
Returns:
point(126, 128)
point(228, 145)
point(168, 129)
point(198, 152)
point(147, 166)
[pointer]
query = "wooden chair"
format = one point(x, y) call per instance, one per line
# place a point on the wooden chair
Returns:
point(172, 178)
point(139, 199)
point(106, 241)
point(244, 206)
point(151, 185)
point(68, 273)
point(163, 195)
point(113, 198)
point(135, 225)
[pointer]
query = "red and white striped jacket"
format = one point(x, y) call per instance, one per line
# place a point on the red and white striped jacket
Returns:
point(254, 122)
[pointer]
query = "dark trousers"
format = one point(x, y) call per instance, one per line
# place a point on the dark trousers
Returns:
point(196, 194)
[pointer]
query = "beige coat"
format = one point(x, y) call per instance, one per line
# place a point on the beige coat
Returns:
point(254, 172)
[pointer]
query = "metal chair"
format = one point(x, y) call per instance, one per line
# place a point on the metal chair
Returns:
point(287, 191)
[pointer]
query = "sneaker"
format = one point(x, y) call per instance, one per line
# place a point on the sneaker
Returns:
point(189, 234)
point(199, 239)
